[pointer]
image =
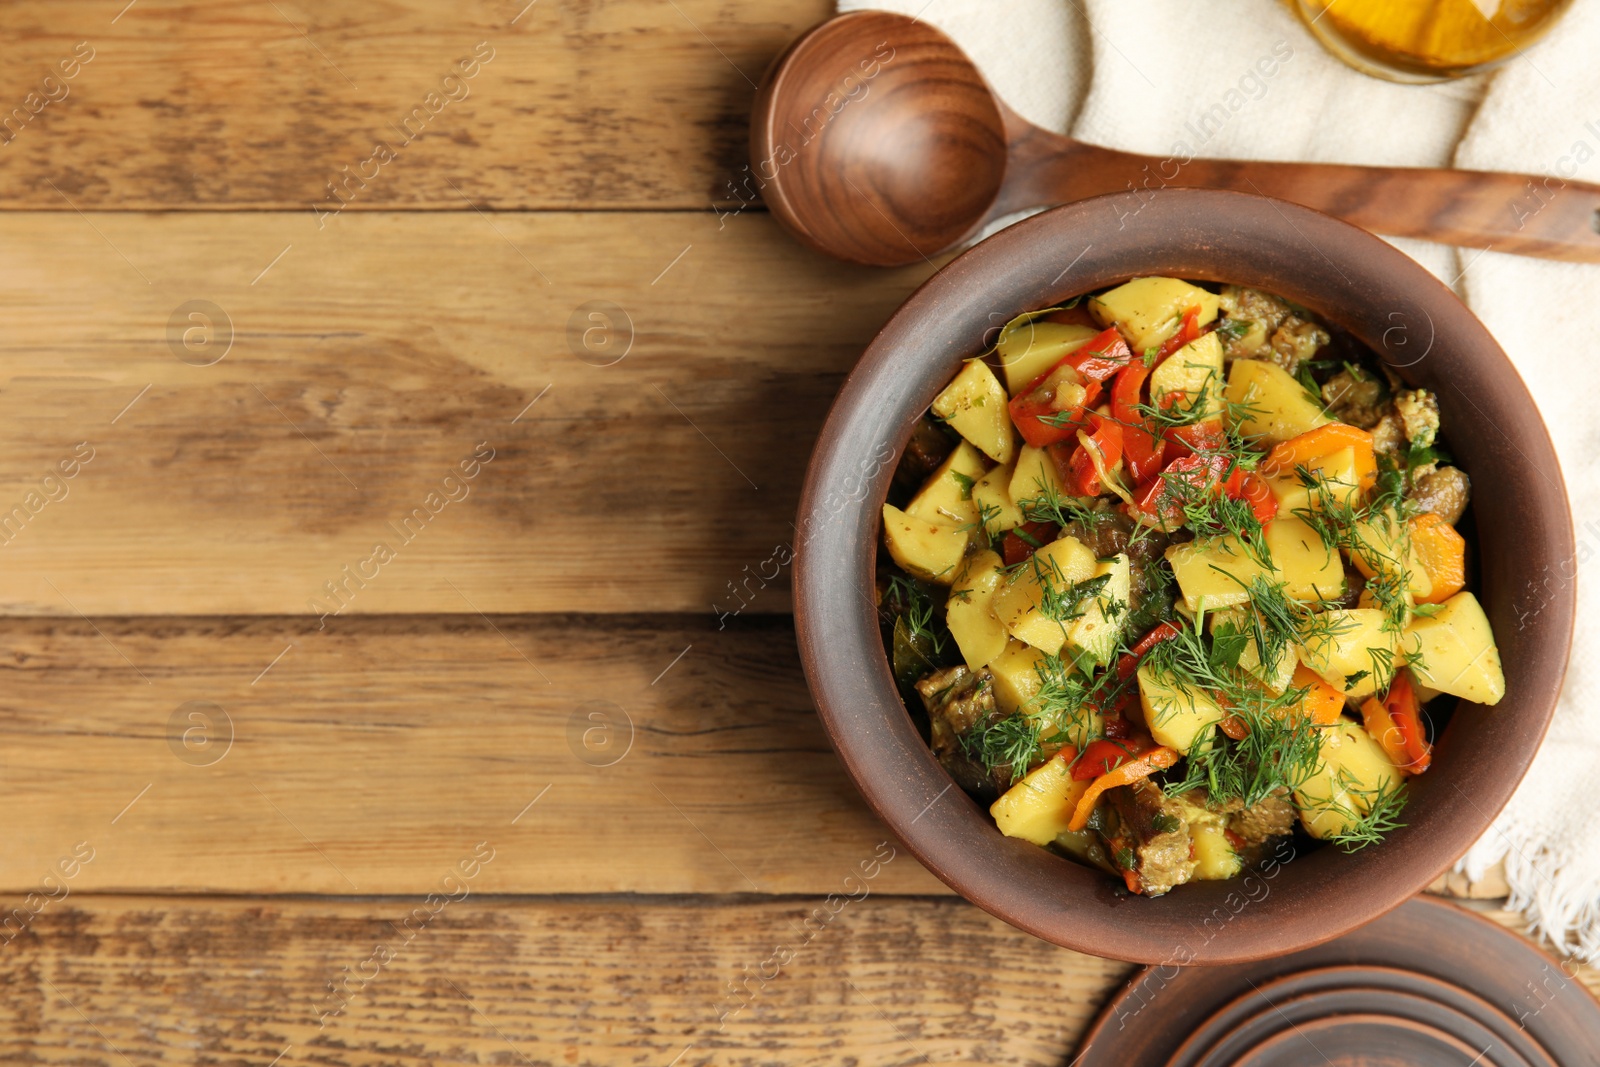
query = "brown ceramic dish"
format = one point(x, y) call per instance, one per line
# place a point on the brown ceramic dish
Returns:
point(1416, 987)
point(1350, 278)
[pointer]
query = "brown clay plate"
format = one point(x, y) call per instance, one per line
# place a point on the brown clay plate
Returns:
point(1421, 983)
point(1351, 278)
point(1364, 989)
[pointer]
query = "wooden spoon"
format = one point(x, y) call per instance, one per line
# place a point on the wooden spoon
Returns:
point(876, 140)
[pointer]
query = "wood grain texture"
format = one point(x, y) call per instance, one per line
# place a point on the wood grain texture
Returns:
point(373, 358)
point(879, 981)
point(584, 103)
point(373, 755)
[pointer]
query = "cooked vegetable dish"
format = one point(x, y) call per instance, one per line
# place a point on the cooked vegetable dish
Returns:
point(1172, 571)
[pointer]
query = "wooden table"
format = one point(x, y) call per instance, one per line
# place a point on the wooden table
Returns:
point(388, 441)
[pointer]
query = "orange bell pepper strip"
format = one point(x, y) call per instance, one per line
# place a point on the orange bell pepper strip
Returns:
point(1324, 441)
point(1443, 554)
point(1375, 717)
point(1396, 724)
point(1156, 759)
point(1322, 702)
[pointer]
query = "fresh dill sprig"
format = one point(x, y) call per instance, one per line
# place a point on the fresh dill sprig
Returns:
point(1013, 742)
point(1382, 817)
point(917, 610)
point(1279, 751)
point(1050, 505)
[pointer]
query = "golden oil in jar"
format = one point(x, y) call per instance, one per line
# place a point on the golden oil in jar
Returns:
point(1428, 40)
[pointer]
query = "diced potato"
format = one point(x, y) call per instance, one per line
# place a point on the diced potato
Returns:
point(1016, 676)
point(1214, 575)
point(1309, 569)
point(1271, 405)
point(1215, 858)
point(1150, 310)
point(1453, 651)
point(1175, 714)
point(1034, 475)
point(930, 550)
point(1342, 481)
point(1274, 676)
point(974, 404)
point(991, 496)
point(1347, 642)
point(1061, 564)
point(1351, 770)
point(1093, 638)
point(970, 610)
point(947, 494)
point(1195, 370)
point(1039, 807)
point(1019, 674)
point(1028, 349)
point(1383, 543)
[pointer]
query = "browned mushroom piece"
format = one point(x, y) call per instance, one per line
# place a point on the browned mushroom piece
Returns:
point(1444, 491)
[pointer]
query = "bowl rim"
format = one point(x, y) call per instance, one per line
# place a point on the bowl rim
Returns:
point(881, 398)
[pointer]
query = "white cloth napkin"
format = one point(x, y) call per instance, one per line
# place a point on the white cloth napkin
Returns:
point(1142, 75)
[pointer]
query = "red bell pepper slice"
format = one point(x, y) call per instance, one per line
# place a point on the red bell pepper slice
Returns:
point(1158, 503)
point(1188, 330)
point(1263, 504)
point(1104, 756)
point(1019, 544)
point(1128, 662)
point(1037, 410)
point(1406, 711)
point(1143, 451)
point(1200, 438)
point(1102, 356)
point(1081, 476)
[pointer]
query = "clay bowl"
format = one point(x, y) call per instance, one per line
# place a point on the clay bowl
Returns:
point(1524, 554)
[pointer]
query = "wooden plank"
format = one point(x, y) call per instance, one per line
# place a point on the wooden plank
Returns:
point(883, 980)
point(372, 358)
point(625, 104)
point(597, 754)
point(878, 981)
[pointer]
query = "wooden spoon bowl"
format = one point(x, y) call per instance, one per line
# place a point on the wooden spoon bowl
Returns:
point(875, 139)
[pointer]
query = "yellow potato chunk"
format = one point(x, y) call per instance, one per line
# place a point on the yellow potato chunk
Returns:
point(1028, 348)
point(1309, 569)
point(1034, 476)
point(1092, 638)
point(974, 404)
point(930, 550)
point(947, 494)
point(1382, 545)
point(1016, 676)
point(991, 496)
point(1150, 310)
point(970, 610)
point(1195, 371)
point(1342, 482)
point(1275, 676)
point(1038, 807)
point(1214, 855)
point(1176, 715)
point(1023, 603)
point(1341, 644)
point(1352, 769)
point(1213, 575)
point(1453, 651)
point(1270, 405)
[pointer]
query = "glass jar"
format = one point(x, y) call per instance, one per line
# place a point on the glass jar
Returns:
point(1428, 40)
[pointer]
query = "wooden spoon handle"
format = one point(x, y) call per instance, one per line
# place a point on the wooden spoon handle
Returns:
point(1546, 217)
